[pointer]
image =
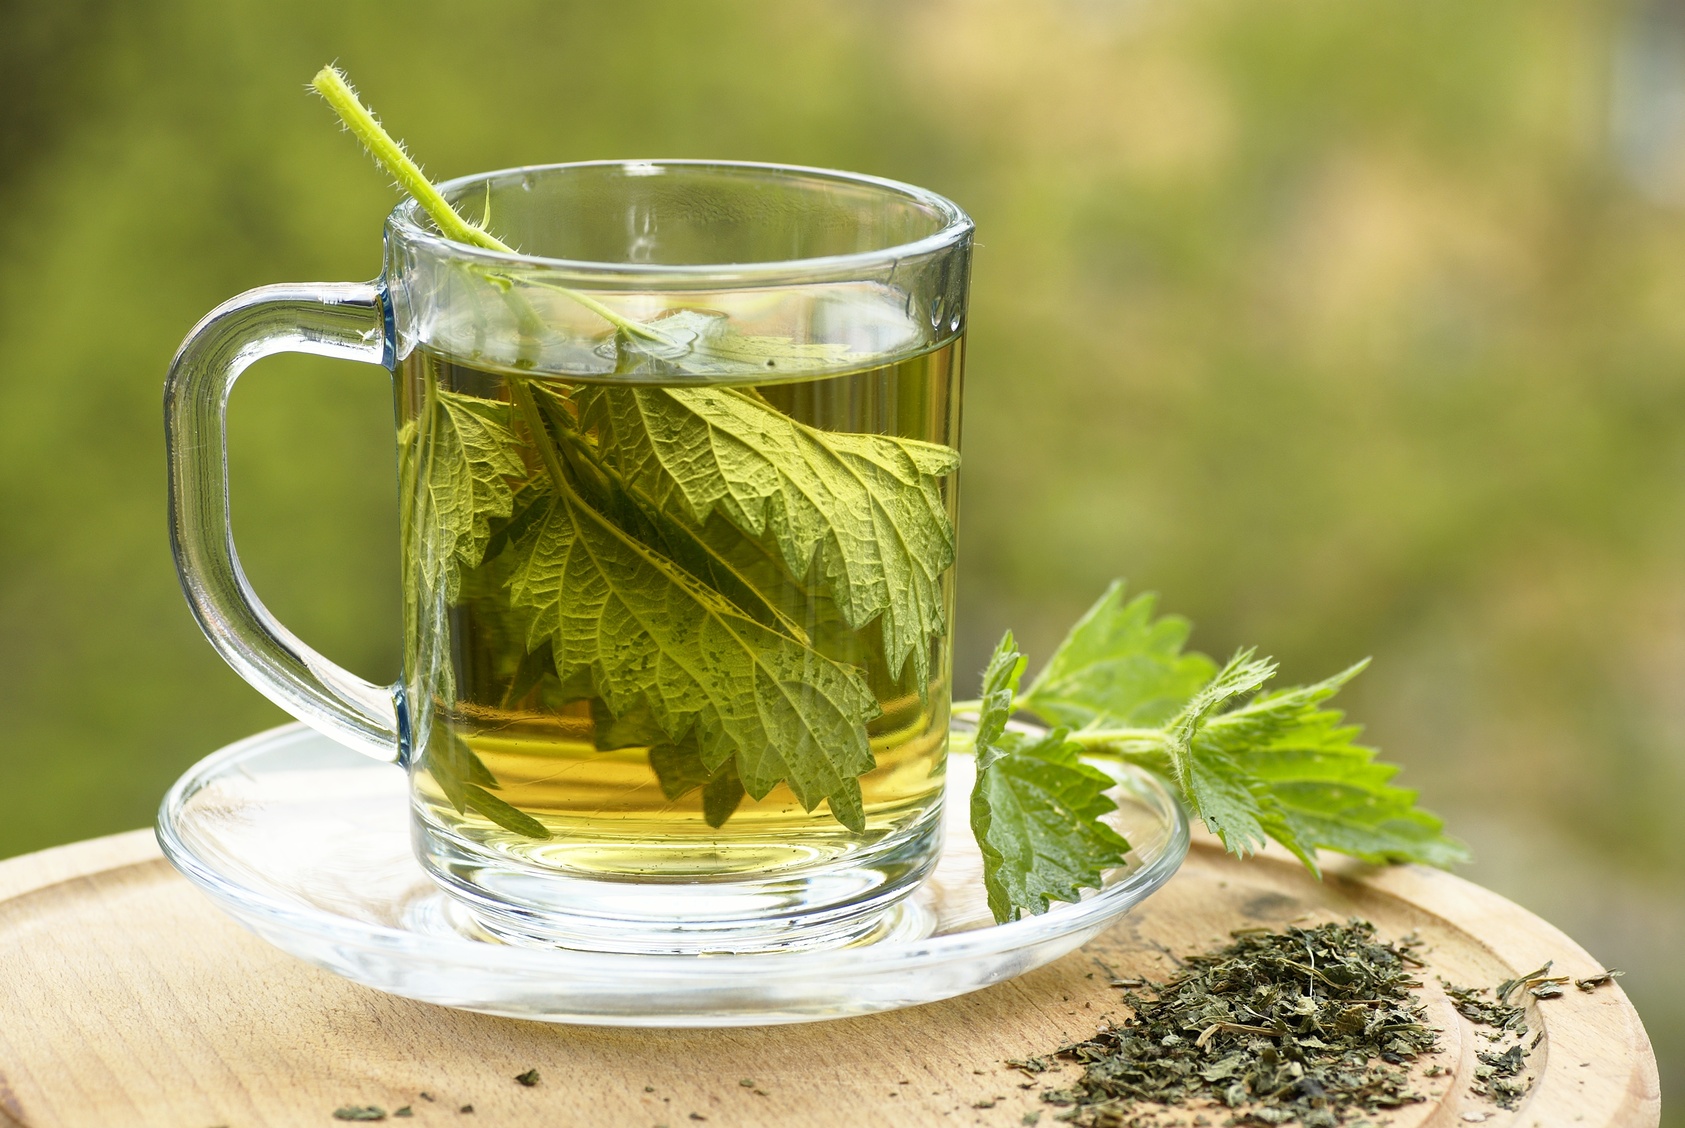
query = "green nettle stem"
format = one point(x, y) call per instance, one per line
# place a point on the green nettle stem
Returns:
point(331, 84)
point(522, 395)
point(1146, 746)
point(1124, 742)
point(575, 448)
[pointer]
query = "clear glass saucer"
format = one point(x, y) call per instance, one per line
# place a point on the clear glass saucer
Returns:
point(307, 843)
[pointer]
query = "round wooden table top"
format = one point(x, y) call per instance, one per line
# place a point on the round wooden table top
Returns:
point(126, 999)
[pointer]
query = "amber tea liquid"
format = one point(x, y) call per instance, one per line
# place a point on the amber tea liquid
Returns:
point(611, 809)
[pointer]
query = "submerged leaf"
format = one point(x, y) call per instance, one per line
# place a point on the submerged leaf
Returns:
point(464, 778)
point(680, 770)
point(485, 803)
point(868, 510)
point(694, 342)
point(465, 456)
point(651, 637)
point(453, 766)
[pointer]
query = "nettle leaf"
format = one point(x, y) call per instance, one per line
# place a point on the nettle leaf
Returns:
point(465, 456)
point(721, 566)
point(678, 767)
point(802, 609)
point(1233, 806)
point(1278, 765)
point(1119, 666)
point(694, 342)
point(1253, 764)
point(651, 637)
point(485, 803)
point(680, 770)
point(868, 508)
point(464, 778)
point(453, 766)
point(1317, 787)
point(1036, 809)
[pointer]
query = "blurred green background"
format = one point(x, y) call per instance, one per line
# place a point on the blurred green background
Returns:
point(1351, 329)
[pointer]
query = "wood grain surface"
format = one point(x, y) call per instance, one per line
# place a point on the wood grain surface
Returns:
point(127, 999)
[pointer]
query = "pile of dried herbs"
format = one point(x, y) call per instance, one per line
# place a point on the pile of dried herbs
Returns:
point(1312, 1024)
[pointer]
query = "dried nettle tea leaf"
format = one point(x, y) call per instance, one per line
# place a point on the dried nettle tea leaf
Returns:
point(1501, 1075)
point(1311, 1024)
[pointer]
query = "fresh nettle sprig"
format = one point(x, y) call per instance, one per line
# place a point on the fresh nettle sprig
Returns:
point(676, 519)
point(330, 82)
point(1252, 762)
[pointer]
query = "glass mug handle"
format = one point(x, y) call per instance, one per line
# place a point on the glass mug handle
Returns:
point(349, 320)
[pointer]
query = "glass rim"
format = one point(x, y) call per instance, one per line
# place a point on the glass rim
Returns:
point(407, 222)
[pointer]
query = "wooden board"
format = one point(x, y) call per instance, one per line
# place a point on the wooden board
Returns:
point(127, 999)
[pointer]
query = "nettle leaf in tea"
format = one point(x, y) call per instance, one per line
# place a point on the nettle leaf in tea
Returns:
point(651, 638)
point(717, 571)
point(467, 450)
point(865, 511)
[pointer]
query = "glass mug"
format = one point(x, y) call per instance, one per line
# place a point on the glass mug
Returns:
point(678, 489)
